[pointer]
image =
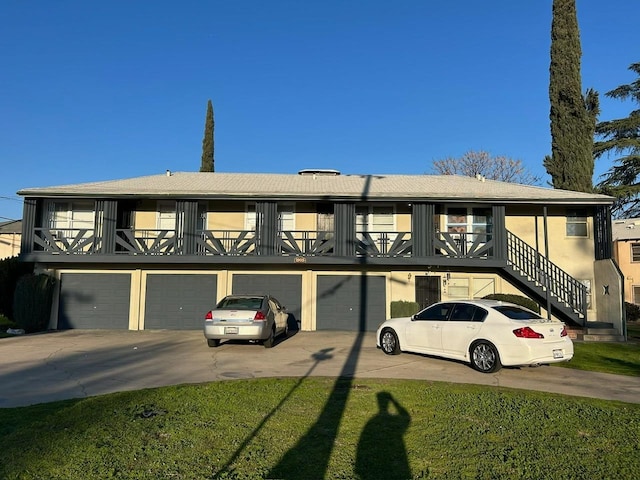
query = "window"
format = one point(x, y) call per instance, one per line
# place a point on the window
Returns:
point(464, 312)
point(435, 312)
point(636, 294)
point(70, 215)
point(166, 216)
point(286, 217)
point(457, 220)
point(516, 313)
point(474, 220)
point(577, 223)
point(458, 288)
point(635, 252)
point(374, 219)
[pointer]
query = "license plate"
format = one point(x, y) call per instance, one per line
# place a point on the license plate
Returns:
point(558, 354)
point(228, 330)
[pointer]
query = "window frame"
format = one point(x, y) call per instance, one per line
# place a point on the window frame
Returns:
point(576, 217)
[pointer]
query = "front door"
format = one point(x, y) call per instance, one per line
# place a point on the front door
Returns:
point(427, 291)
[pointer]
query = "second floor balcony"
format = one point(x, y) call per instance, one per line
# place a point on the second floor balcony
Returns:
point(249, 243)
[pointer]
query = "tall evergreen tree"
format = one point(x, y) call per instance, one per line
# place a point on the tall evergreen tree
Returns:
point(622, 137)
point(207, 162)
point(573, 116)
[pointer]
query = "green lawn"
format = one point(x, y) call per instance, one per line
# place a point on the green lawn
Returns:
point(618, 358)
point(316, 428)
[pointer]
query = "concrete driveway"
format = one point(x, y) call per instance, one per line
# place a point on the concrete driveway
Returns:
point(82, 363)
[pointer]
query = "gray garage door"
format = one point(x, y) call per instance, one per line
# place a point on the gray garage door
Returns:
point(179, 301)
point(94, 300)
point(286, 288)
point(350, 302)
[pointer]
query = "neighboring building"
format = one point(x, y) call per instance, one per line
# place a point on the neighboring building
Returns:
point(159, 251)
point(10, 234)
point(626, 252)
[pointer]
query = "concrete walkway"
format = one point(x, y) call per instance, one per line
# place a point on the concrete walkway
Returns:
point(82, 363)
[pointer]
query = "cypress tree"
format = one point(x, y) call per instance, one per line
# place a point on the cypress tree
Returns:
point(207, 162)
point(573, 116)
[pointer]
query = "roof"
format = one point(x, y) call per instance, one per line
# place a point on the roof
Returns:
point(626, 229)
point(12, 226)
point(215, 185)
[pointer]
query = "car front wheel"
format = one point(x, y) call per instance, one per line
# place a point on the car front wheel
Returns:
point(484, 357)
point(389, 342)
point(213, 342)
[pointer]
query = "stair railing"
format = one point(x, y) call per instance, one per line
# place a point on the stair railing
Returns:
point(536, 268)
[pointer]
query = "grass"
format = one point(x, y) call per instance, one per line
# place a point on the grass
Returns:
point(617, 358)
point(316, 428)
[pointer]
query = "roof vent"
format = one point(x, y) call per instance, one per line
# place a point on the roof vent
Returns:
point(319, 171)
point(168, 173)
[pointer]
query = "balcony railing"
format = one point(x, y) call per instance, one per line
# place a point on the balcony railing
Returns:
point(145, 242)
point(383, 244)
point(245, 243)
point(77, 241)
point(306, 243)
point(226, 242)
point(464, 245)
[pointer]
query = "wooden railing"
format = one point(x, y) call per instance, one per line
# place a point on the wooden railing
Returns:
point(383, 244)
point(145, 242)
point(305, 243)
point(464, 245)
point(226, 242)
point(77, 241)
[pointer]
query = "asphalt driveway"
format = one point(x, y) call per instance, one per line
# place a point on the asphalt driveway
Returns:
point(82, 363)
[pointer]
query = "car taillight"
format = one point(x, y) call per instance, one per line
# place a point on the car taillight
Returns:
point(527, 332)
point(208, 316)
point(259, 317)
point(564, 333)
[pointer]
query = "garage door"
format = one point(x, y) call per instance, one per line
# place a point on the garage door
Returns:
point(94, 300)
point(179, 301)
point(286, 288)
point(350, 302)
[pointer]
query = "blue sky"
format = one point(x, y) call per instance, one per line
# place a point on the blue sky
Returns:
point(93, 91)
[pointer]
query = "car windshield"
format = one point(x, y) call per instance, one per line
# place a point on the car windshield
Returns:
point(240, 303)
point(516, 313)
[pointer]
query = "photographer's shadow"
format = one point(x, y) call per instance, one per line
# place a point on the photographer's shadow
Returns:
point(381, 451)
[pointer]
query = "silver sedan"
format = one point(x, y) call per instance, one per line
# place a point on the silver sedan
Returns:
point(246, 317)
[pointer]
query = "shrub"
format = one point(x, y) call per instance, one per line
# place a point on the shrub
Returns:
point(517, 299)
point(5, 323)
point(402, 308)
point(633, 311)
point(11, 269)
point(32, 302)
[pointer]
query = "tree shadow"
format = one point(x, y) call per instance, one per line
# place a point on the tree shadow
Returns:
point(381, 451)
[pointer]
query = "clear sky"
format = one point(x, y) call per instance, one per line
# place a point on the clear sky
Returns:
point(93, 91)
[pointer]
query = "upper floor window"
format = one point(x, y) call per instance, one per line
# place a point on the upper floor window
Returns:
point(377, 218)
point(286, 217)
point(635, 252)
point(166, 219)
point(577, 223)
point(70, 215)
point(469, 220)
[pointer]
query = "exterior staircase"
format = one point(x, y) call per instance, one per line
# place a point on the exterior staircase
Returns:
point(545, 281)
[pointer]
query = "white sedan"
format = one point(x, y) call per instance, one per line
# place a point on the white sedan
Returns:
point(485, 333)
